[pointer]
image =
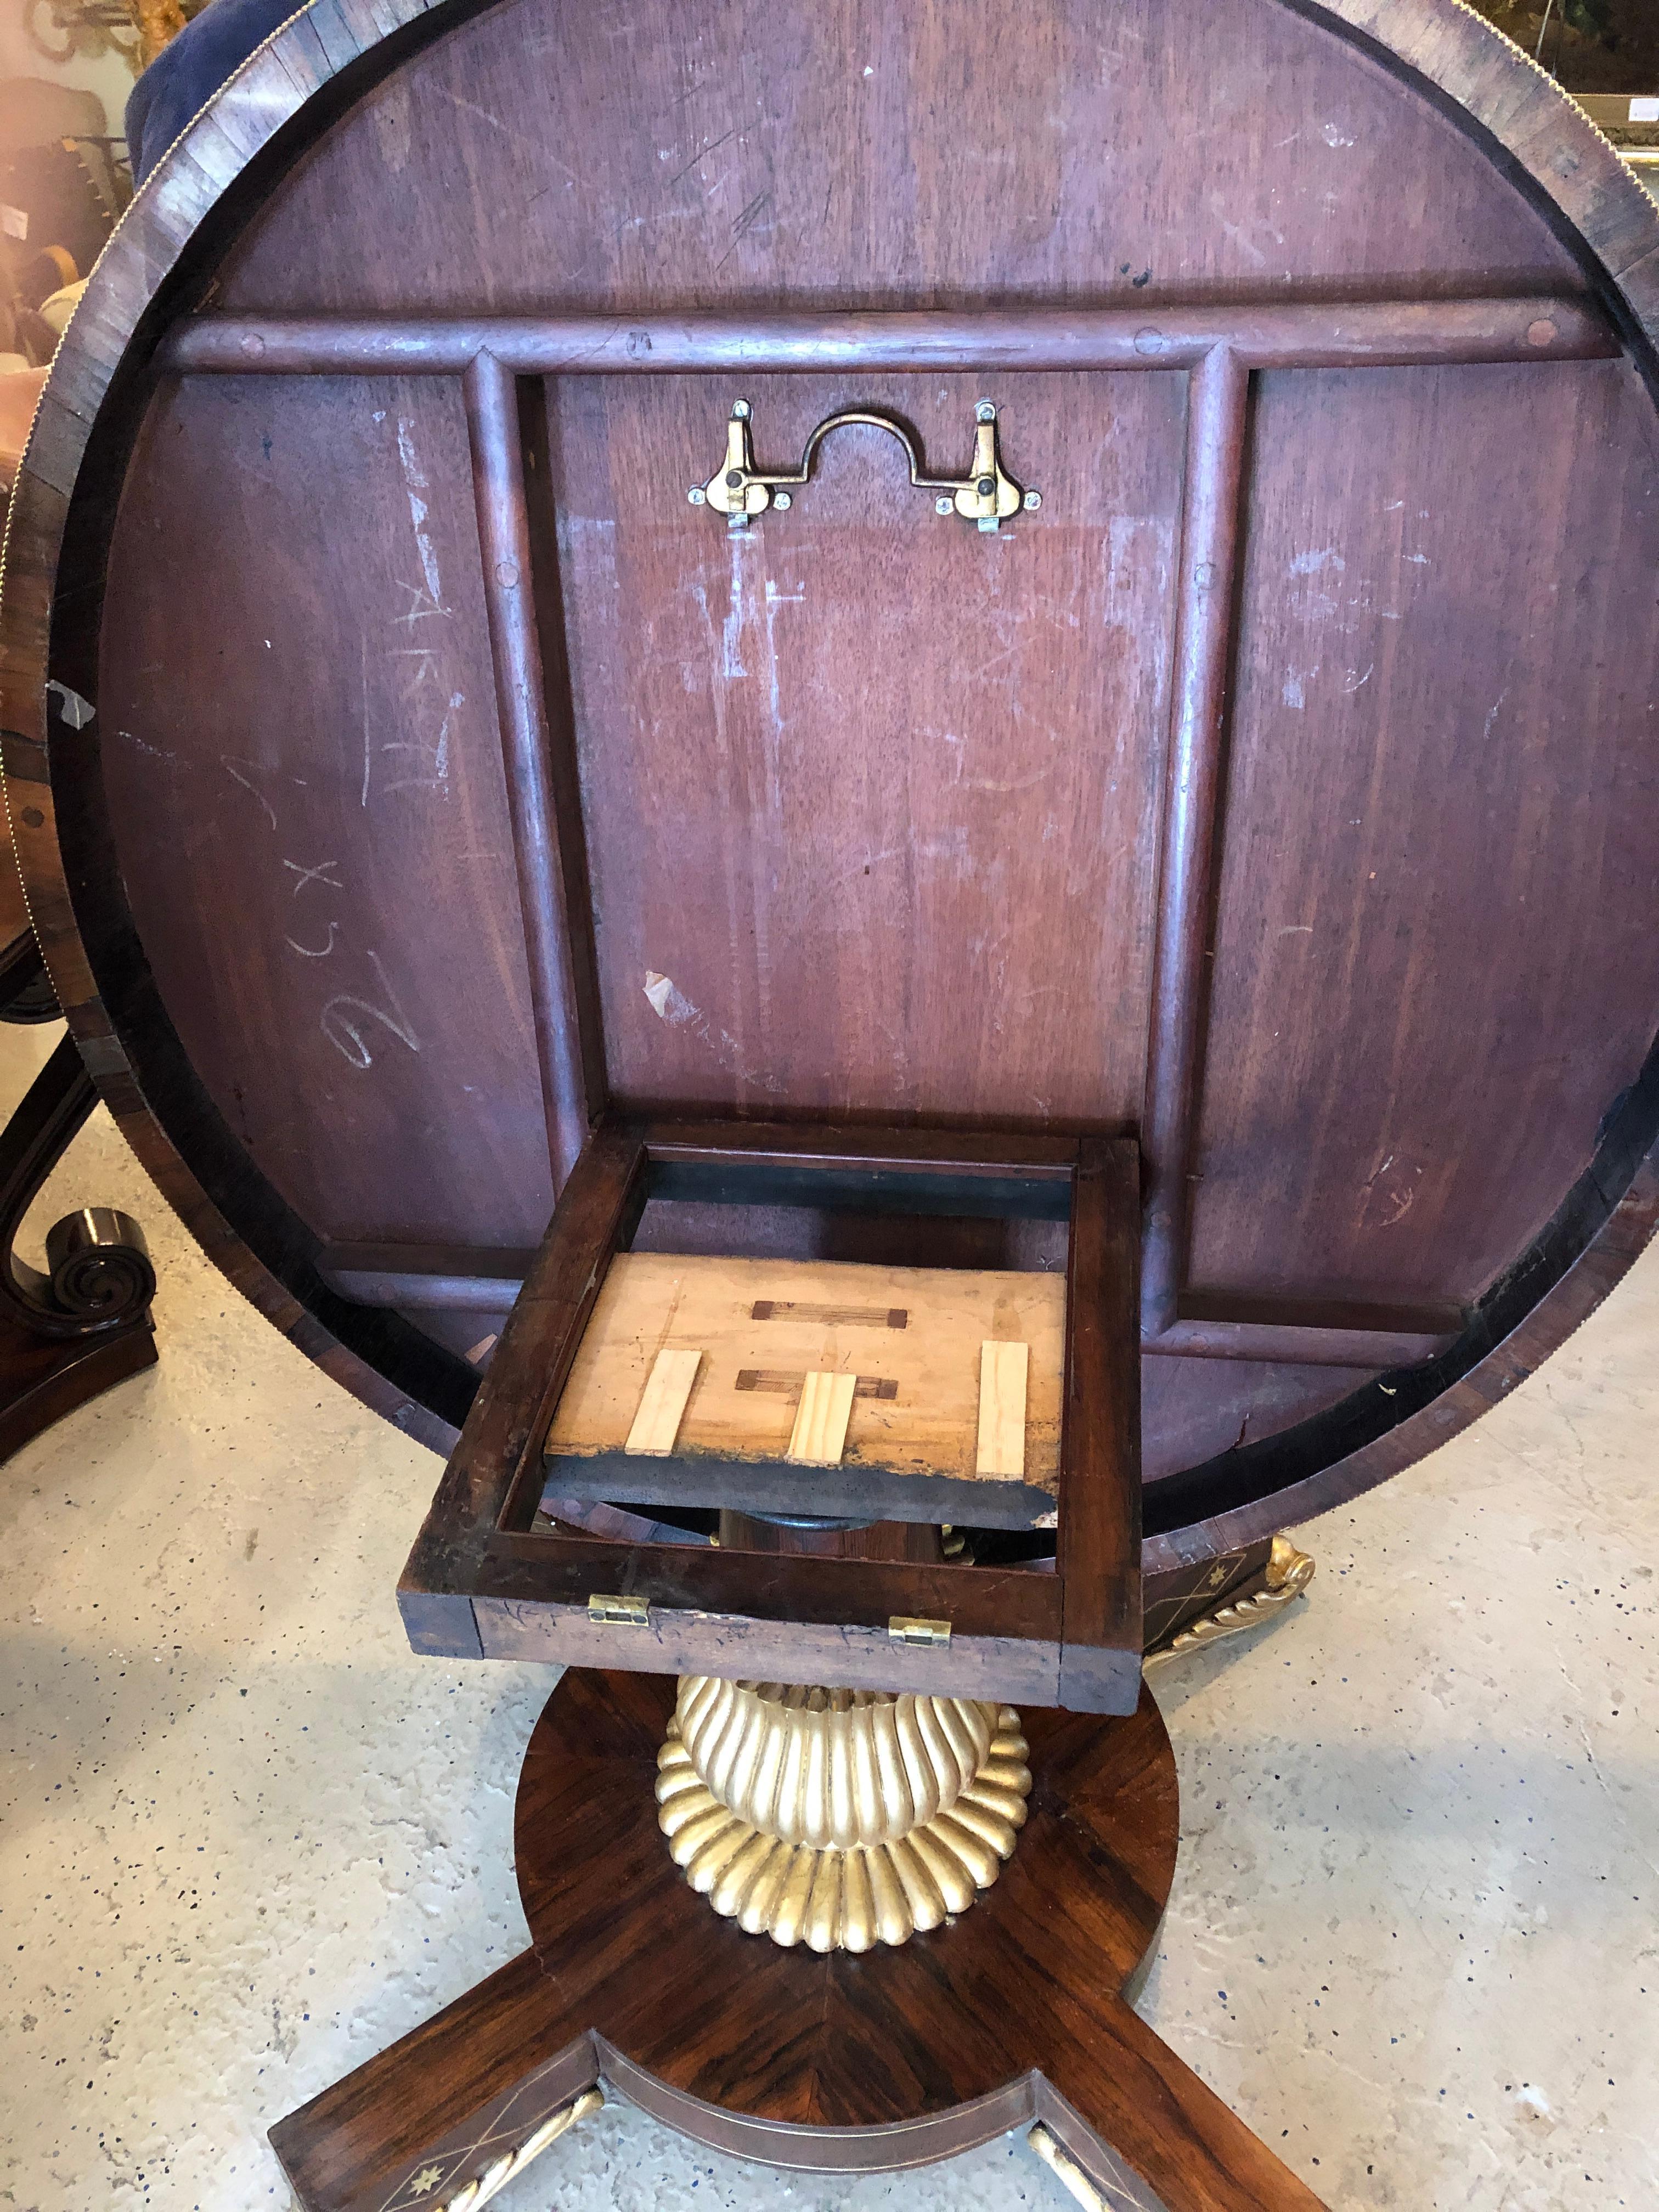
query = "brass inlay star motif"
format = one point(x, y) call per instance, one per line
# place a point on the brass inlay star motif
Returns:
point(839, 1819)
point(499, 2166)
point(1289, 1573)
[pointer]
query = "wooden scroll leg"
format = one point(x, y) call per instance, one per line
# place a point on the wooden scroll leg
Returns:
point(1128, 2128)
point(450, 2106)
point(1139, 2127)
point(70, 1334)
point(447, 2107)
point(831, 2062)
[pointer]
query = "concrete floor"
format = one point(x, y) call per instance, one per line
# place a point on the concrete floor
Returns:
point(248, 1839)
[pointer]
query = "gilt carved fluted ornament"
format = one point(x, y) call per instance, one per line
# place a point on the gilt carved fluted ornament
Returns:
point(839, 1819)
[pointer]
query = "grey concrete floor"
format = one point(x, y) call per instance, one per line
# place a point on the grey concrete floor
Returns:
point(248, 1838)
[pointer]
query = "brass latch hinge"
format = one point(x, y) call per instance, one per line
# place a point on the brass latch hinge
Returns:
point(618, 1611)
point(985, 496)
point(905, 1630)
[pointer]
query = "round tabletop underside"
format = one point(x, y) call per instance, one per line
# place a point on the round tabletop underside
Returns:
point(402, 770)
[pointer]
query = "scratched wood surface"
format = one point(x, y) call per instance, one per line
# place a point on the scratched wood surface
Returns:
point(1418, 1018)
point(710, 152)
point(912, 1336)
point(784, 778)
point(1426, 979)
point(319, 760)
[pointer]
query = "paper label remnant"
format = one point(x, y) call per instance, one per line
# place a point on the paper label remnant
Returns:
point(1645, 108)
point(14, 221)
point(75, 711)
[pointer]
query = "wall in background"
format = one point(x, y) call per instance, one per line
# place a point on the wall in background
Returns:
point(108, 74)
point(1590, 45)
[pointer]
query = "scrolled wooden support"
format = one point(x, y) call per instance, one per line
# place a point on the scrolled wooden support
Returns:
point(25, 992)
point(99, 1275)
point(98, 1265)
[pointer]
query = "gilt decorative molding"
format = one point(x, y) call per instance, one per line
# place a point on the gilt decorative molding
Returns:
point(840, 1819)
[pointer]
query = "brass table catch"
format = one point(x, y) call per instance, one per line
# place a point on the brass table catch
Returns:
point(985, 496)
point(611, 1611)
point(903, 1630)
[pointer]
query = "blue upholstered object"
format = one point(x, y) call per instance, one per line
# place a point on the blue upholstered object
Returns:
point(185, 76)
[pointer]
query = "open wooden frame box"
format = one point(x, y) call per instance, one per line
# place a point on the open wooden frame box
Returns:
point(492, 1575)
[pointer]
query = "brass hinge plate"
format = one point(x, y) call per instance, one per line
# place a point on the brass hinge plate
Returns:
point(618, 1611)
point(903, 1630)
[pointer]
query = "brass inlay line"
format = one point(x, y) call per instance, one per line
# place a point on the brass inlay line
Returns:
point(487, 2181)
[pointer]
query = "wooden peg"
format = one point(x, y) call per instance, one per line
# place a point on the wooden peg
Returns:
point(662, 1403)
point(1002, 1370)
point(820, 1434)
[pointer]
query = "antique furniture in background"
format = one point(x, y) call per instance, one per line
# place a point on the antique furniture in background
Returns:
point(451, 779)
point(63, 186)
point(1632, 122)
point(137, 30)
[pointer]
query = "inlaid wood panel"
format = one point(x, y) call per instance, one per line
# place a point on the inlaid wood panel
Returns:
point(699, 152)
point(1435, 962)
point(299, 739)
point(911, 1337)
point(870, 796)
